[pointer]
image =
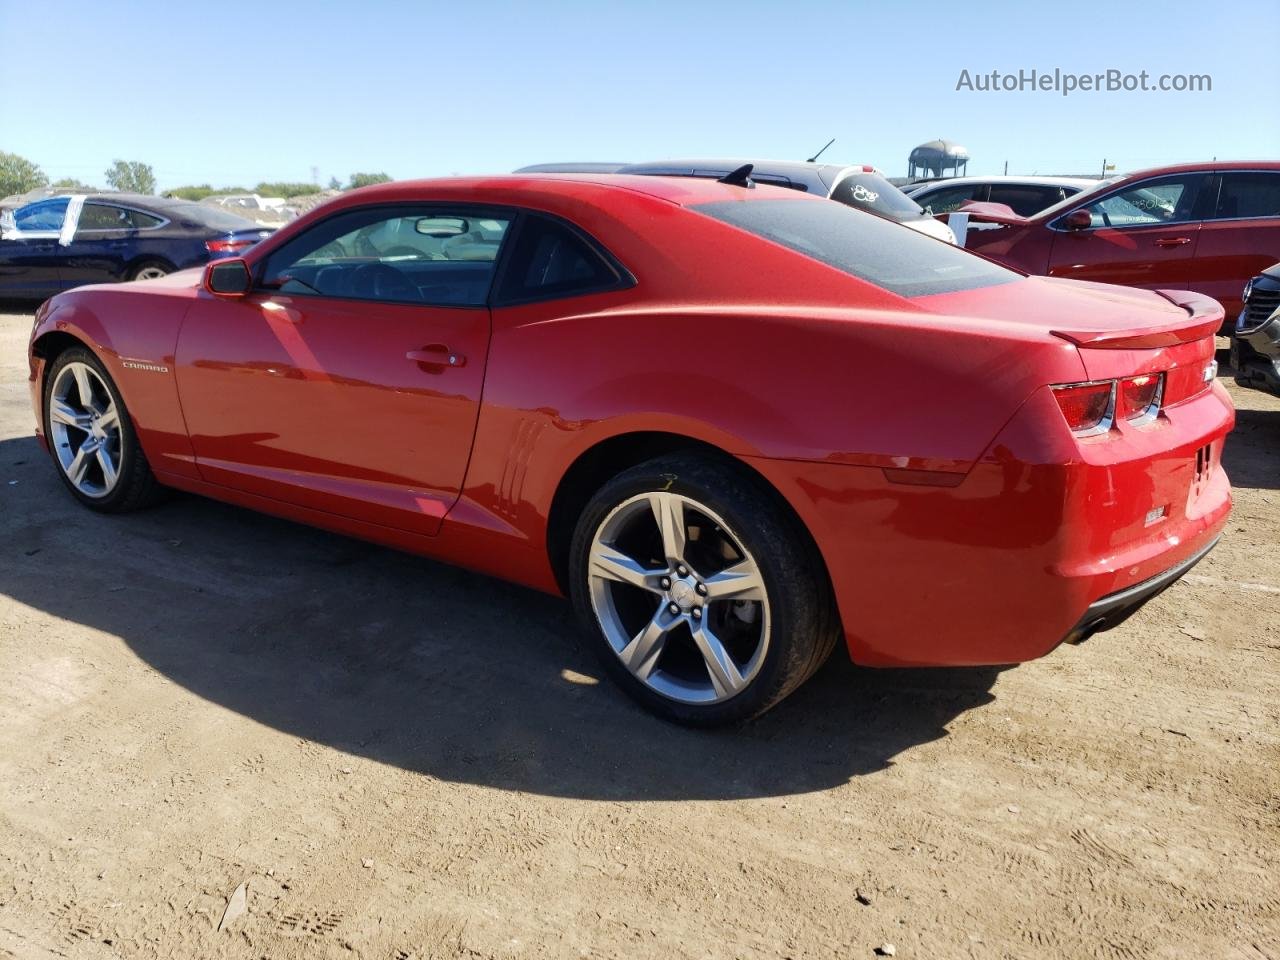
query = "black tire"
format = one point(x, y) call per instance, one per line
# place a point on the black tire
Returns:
point(804, 625)
point(136, 486)
point(146, 266)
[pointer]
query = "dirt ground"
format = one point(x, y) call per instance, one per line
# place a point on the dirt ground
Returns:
point(398, 759)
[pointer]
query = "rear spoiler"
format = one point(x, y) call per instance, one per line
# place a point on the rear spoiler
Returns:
point(1205, 316)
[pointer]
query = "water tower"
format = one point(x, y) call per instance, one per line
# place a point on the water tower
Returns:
point(937, 158)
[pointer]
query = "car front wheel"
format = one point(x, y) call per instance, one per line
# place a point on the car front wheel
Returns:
point(91, 436)
point(704, 597)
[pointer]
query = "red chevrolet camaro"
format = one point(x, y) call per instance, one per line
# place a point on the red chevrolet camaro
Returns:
point(733, 424)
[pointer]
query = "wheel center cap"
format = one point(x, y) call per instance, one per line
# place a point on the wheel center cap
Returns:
point(683, 594)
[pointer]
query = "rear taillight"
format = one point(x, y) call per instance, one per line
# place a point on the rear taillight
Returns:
point(228, 246)
point(1088, 407)
point(1091, 409)
point(1139, 399)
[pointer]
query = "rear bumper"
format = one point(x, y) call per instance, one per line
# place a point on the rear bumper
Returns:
point(1115, 608)
point(1043, 535)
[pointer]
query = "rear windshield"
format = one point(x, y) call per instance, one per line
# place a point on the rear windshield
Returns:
point(870, 191)
point(213, 217)
point(897, 258)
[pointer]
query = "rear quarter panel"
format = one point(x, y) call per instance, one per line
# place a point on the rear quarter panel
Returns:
point(873, 389)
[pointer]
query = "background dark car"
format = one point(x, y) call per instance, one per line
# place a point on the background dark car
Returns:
point(1255, 348)
point(68, 241)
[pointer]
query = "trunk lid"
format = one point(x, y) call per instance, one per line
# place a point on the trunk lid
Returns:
point(1119, 331)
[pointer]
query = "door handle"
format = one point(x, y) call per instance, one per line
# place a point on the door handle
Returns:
point(436, 355)
point(1172, 241)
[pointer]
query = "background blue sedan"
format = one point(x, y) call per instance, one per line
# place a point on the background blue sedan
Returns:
point(68, 241)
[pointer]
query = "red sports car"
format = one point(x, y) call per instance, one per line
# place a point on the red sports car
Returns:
point(1206, 227)
point(733, 424)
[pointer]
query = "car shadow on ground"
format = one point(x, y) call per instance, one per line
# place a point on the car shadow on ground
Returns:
point(420, 665)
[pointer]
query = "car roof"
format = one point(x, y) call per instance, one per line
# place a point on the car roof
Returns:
point(1031, 180)
point(817, 176)
point(801, 171)
point(1204, 166)
point(142, 200)
point(682, 191)
point(573, 166)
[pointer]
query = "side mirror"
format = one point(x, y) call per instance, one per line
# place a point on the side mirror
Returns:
point(1078, 220)
point(228, 278)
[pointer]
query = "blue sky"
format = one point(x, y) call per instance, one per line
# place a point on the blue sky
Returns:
point(238, 92)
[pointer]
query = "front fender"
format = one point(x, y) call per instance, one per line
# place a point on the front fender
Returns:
point(134, 332)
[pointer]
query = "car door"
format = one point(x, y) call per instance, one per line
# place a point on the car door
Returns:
point(29, 251)
point(104, 242)
point(348, 380)
point(1240, 238)
point(1142, 235)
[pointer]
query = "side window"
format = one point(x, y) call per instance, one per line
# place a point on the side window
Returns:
point(946, 199)
point(1026, 200)
point(142, 221)
point(1152, 202)
point(550, 260)
point(100, 216)
point(401, 254)
point(46, 215)
point(104, 216)
point(1249, 195)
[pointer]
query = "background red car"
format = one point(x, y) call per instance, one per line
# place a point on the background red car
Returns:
point(734, 424)
point(1206, 227)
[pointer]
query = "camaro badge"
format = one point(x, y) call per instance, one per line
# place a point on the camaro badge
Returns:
point(139, 365)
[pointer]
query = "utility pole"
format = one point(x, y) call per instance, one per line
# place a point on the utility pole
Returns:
point(1006, 168)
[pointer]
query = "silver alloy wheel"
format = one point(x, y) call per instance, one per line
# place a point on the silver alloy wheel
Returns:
point(151, 273)
point(680, 600)
point(84, 428)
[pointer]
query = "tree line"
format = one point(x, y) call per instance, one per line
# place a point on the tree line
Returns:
point(19, 175)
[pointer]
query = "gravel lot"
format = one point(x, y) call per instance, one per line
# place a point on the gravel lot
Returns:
point(399, 759)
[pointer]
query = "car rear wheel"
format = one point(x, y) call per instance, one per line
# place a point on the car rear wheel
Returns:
point(704, 598)
point(150, 270)
point(92, 438)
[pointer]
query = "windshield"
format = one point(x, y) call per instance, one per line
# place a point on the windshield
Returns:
point(875, 194)
point(899, 259)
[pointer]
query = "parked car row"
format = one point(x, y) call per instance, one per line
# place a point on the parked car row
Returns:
point(736, 425)
point(71, 240)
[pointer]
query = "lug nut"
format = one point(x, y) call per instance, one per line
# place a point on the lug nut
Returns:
point(666, 583)
point(681, 570)
point(673, 608)
point(697, 613)
point(702, 589)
